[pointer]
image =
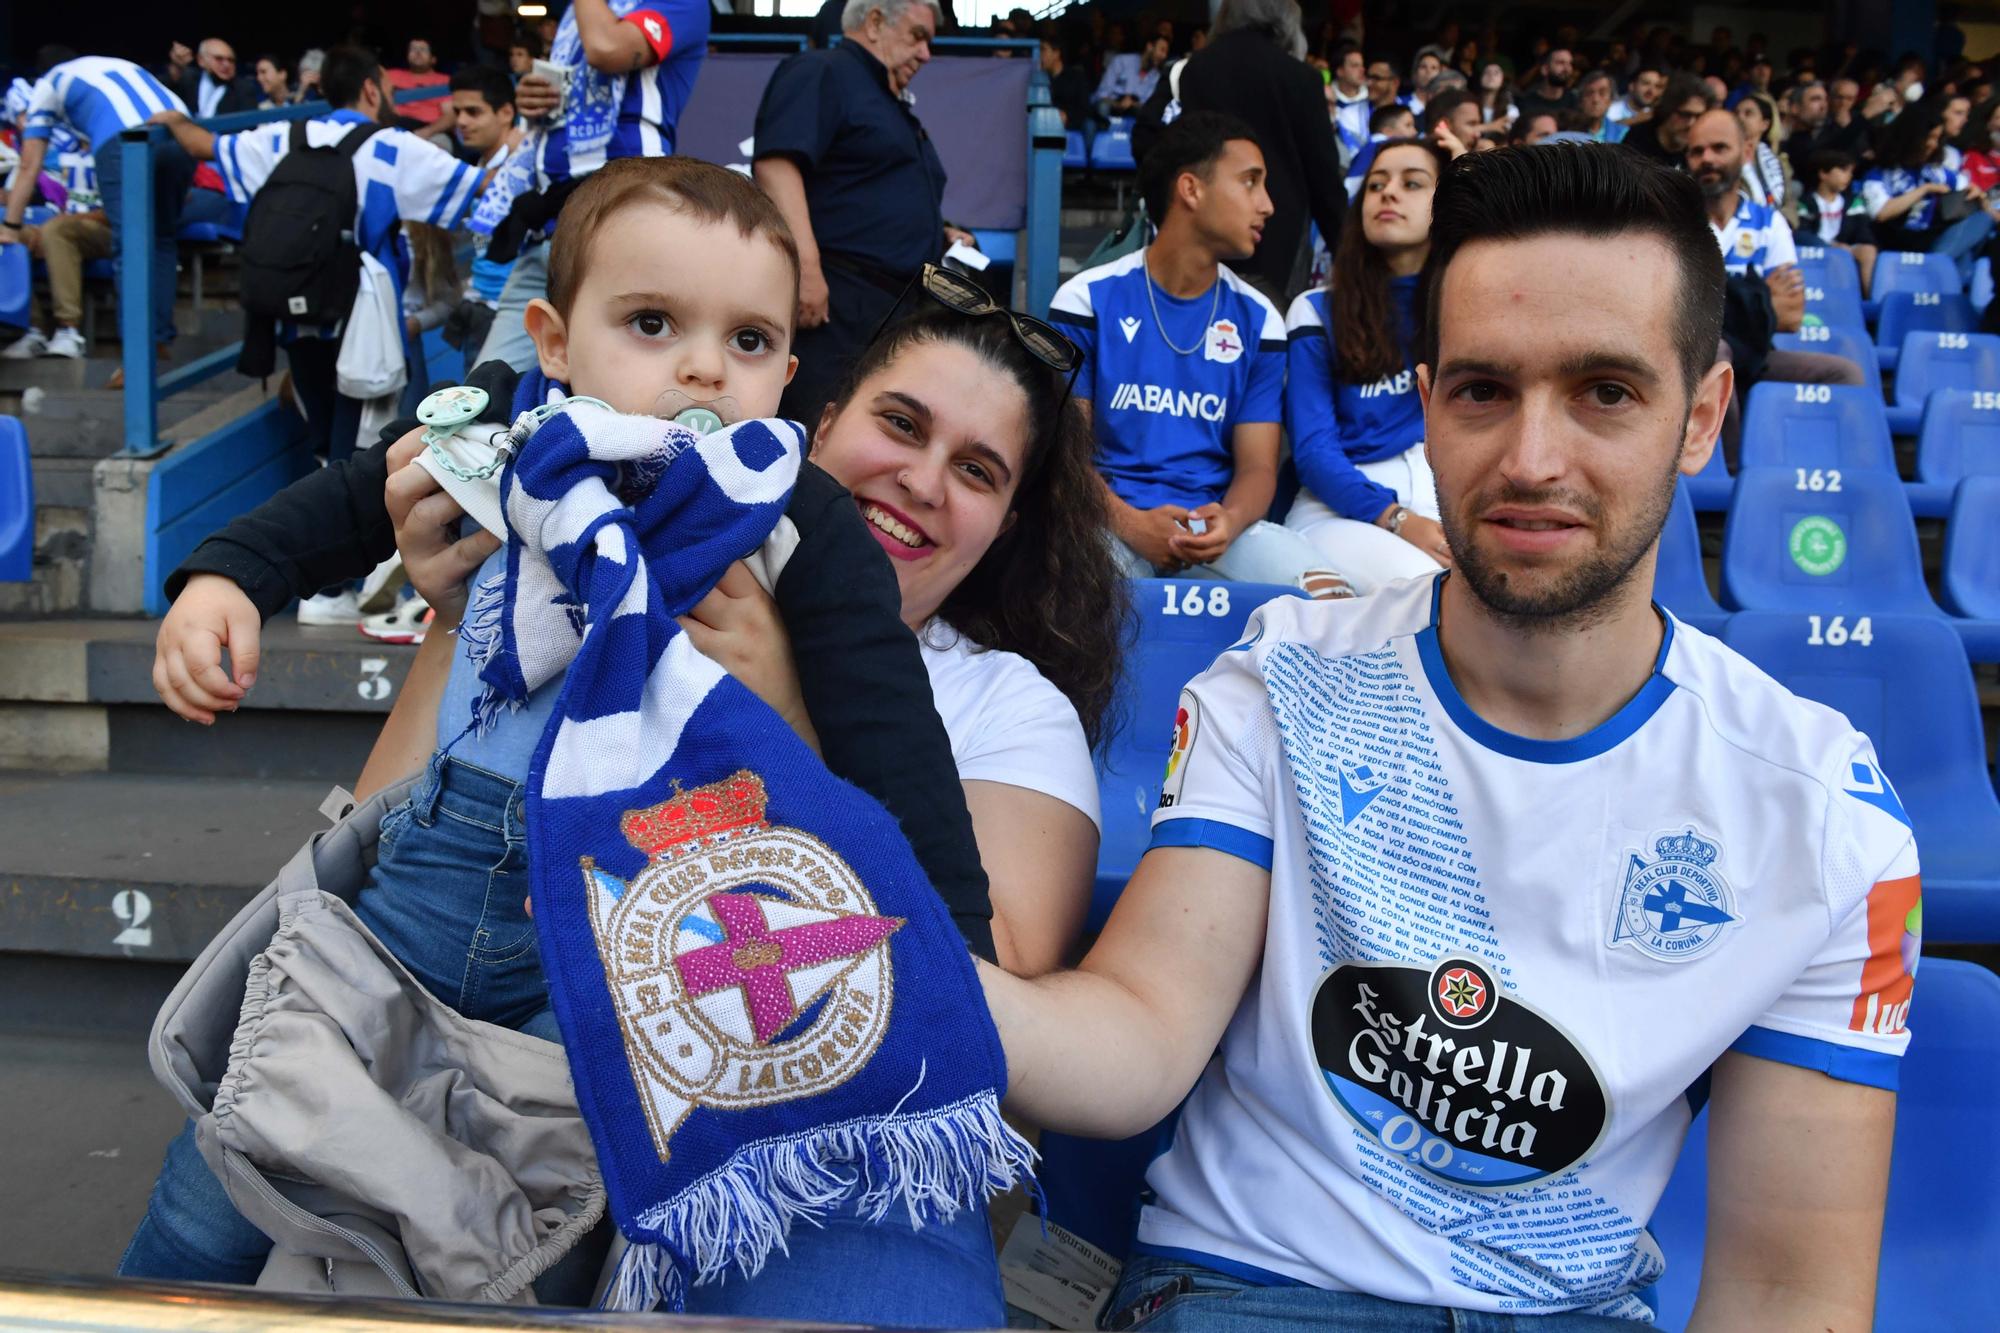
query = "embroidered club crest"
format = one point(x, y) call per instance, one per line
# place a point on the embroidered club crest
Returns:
point(1674, 908)
point(1223, 342)
point(746, 962)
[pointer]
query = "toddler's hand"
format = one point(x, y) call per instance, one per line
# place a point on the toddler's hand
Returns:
point(210, 614)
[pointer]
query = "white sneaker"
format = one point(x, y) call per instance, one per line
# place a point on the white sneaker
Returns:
point(28, 346)
point(380, 588)
point(407, 623)
point(68, 343)
point(330, 608)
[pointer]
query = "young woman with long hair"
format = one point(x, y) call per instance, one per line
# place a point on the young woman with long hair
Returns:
point(1351, 405)
point(1911, 194)
point(1766, 175)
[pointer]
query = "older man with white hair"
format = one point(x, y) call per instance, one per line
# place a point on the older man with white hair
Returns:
point(212, 87)
point(842, 153)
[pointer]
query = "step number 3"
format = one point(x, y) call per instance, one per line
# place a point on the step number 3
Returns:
point(1188, 601)
point(1836, 632)
point(133, 910)
point(374, 685)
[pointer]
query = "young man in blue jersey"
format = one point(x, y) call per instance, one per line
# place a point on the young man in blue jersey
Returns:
point(1457, 890)
point(1184, 367)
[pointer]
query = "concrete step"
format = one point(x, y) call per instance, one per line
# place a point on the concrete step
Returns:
point(64, 483)
point(137, 866)
point(90, 423)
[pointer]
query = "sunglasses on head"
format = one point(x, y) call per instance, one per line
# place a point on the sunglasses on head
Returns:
point(963, 296)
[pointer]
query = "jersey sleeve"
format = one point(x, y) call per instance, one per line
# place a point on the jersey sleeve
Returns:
point(431, 185)
point(247, 159)
point(1029, 737)
point(1073, 313)
point(799, 114)
point(1778, 247)
point(1312, 420)
point(1216, 790)
point(656, 21)
point(1264, 397)
point(45, 110)
point(1845, 1015)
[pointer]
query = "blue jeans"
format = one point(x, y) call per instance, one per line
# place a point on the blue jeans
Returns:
point(850, 1271)
point(1963, 240)
point(1174, 1296)
point(448, 897)
point(1264, 552)
point(173, 169)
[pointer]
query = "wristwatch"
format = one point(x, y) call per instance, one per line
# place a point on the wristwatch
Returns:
point(1396, 517)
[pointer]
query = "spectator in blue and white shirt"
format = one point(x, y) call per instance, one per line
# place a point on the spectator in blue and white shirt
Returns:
point(98, 97)
point(1904, 193)
point(630, 67)
point(1394, 121)
point(483, 121)
point(1129, 79)
point(1349, 100)
point(1184, 363)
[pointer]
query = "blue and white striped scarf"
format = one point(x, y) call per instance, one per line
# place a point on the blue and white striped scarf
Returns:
point(767, 1009)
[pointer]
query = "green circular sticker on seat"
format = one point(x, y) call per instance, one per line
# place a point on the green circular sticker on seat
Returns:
point(1817, 544)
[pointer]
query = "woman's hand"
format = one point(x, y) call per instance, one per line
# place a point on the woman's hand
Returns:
point(437, 559)
point(737, 627)
point(1427, 535)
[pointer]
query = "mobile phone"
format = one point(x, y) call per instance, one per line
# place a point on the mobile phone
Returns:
point(1196, 526)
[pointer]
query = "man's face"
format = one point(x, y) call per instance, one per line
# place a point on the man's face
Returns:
point(519, 62)
point(902, 46)
point(1956, 109)
point(1381, 82)
point(419, 56)
point(1646, 89)
point(1677, 121)
point(270, 79)
point(1464, 120)
point(1427, 69)
point(1051, 57)
point(1760, 75)
point(1559, 68)
point(1715, 153)
point(1842, 97)
point(1812, 106)
point(1556, 455)
point(1594, 97)
point(1403, 126)
point(1351, 70)
point(1155, 54)
point(1233, 205)
point(478, 124)
point(219, 59)
point(1540, 126)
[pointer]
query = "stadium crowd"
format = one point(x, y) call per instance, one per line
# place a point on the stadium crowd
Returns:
point(1341, 353)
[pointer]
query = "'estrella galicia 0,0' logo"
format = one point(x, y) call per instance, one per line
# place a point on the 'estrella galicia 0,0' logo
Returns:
point(1677, 907)
point(1452, 1075)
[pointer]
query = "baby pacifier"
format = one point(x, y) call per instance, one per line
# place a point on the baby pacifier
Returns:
point(702, 418)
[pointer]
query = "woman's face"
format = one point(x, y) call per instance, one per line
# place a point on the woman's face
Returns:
point(932, 447)
point(1933, 141)
point(1426, 70)
point(1396, 198)
point(1993, 126)
point(1491, 77)
point(1752, 117)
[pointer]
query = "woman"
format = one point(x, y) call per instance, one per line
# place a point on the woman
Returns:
point(1766, 176)
point(1496, 99)
point(1369, 503)
point(1916, 202)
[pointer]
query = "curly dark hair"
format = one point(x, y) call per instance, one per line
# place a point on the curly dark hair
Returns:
point(1047, 588)
point(1364, 341)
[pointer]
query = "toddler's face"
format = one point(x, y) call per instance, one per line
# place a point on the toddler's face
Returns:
point(678, 309)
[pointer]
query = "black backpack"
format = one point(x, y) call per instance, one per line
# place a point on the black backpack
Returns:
point(300, 258)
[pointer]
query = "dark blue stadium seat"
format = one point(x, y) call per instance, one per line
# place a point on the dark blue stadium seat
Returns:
point(1825, 427)
point(1092, 1186)
point(1790, 547)
point(1914, 271)
point(1942, 1226)
point(1075, 156)
point(1172, 648)
point(1851, 344)
point(1960, 436)
point(1904, 313)
point(1824, 266)
point(1839, 306)
point(16, 286)
point(1111, 150)
point(1709, 489)
point(1971, 573)
point(1981, 290)
point(1933, 361)
point(17, 499)
point(1678, 581)
point(1905, 682)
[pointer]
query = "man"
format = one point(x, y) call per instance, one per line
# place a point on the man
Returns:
point(482, 108)
point(98, 98)
point(1069, 89)
point(841, 152)
point(421, 72)
point(1394, 121)
point(1350, 101)
point(274, 82)
point(1756, 79)
point(1184, 363)
point(65, 242)
point(629, 67)
point(211, 88)
point(1806, 109)
point(1593, 108)
point(1551, 90)
point(1454, 890)
point(521, 57)
point(1452, 121)
point(1664, 138)
point(1129, 79)
point(1847, 129)
point(1532, 127)
point(1641, 95)
point(1384, 86)
point(398, 178)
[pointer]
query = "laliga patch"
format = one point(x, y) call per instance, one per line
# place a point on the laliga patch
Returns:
point(1454, 1077)
point(1674, 907)
point(1223, 342)
point(1187, 720)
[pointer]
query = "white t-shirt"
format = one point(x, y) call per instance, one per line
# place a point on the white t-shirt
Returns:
point(1007, 723)
point(1497, 970)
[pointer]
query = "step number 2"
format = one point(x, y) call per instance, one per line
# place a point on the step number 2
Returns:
point(1188, 601)
point(1836, 632)
point(133, 910)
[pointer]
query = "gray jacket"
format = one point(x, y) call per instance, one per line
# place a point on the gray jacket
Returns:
point(387, 1145)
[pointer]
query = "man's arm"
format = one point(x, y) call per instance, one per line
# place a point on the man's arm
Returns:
point(1108, 1049)
point(33, 153)
point(198, 142)
point(1248, 499)
point(780, 178)
point(1798, 1172)
point(615, 46)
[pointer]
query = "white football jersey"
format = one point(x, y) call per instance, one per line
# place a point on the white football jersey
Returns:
point(1497, 969)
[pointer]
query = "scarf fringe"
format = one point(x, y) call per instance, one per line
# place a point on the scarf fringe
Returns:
point(932, 1164)
point(481, 631)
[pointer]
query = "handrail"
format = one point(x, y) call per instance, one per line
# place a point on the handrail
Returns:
point(795, 40)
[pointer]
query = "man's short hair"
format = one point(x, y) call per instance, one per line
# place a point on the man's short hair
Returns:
point(1597, 76)
point(1193, 143)
point(348, 69)
point(1586, 190)
point(1440, 108)
point(854, 15)
point(1382, 115)
point(1682, 88)
point(488, 82)
point(699, 189)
